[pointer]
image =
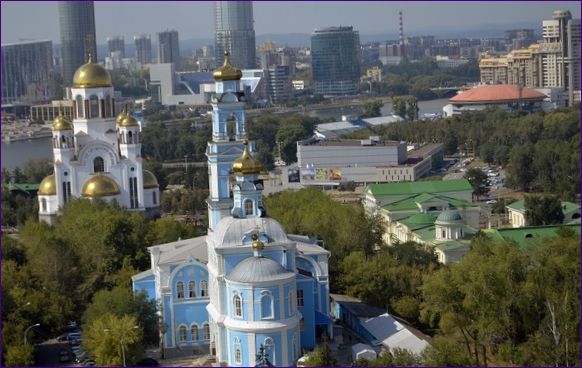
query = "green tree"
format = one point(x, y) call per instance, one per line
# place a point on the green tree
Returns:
point(114, 340)
point(543, 210)
point(412, 109)
point(167, 230)
point(478, 180)
point(20, 355)
point(399, 106)
point(372, 109)
point(262, 358)
point(321, 356)
point(36, 170)
point(520, 169)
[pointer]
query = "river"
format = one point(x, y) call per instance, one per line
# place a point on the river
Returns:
point(17, 153)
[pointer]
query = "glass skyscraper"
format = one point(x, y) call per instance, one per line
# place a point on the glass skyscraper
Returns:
point(77, 22)
point(234, 32)
point(143, 49)
point(168, 47)
point(335, 60)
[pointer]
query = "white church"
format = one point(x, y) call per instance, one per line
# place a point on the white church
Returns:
point(247, 283)
point(97, 155)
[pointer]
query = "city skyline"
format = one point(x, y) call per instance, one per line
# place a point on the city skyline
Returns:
point(195, 20)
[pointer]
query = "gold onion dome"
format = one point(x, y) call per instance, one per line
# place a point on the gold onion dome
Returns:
point(100, 186)
point(91, 75)
point(121, 116)
point(61, 122)
point(246, 164)
point(257, 244)
point(48, 186)
point(149, 180)
point(127, 121)
point(227, 72)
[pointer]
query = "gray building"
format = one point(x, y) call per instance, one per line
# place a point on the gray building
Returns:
point(278, 83)
point(335, 60)
point(168, 47)
point(77, 23)
point(234, 32)
point(573, 59)
point(27, 72)
point(143, 49)
point(116, 44)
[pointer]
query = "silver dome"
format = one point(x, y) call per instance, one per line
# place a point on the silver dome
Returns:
point(257, 269)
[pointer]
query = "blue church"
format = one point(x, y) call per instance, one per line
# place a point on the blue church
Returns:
point(247, 283)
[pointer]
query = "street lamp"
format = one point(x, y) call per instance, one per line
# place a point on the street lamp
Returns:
point(122, 341)
point(28, 328)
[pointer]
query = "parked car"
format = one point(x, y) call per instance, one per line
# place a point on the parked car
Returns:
point(148, 362)
point(491, 201)
point(64, 356)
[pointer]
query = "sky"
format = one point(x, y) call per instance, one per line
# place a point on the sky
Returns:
point(38, 20)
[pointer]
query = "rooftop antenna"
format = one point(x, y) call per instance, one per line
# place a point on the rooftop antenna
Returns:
point(401, 31)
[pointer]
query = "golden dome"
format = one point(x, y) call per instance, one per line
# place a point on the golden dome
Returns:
point(246, 164)
point(121, 116)
point(100, 186)
point(226, 71)
point(91, 75)
point(62, 123)
point(48, 186)
point(149, 180)
point(127, 121)
point(257, 244)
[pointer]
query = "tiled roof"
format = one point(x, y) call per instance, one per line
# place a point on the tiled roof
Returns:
point(497, 93)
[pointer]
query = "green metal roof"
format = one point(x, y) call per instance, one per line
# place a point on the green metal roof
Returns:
point(411, 203)
point(435, 186)
point(566, 206)
point(23, 186)
point(453, 245)
point(418, 221)
point(524, 236)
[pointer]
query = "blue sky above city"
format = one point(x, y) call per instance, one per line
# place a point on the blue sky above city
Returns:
point(194, 20)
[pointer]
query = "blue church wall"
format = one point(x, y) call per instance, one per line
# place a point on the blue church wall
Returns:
point(305, 284)
point(260, 303)
point(167, 303)
point(243, 342)
point(186, 274)
point(323, 298)
point(147, 285)
point(231, 290)
point(275, 350)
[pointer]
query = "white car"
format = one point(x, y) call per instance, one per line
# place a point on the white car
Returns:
point(491, 201)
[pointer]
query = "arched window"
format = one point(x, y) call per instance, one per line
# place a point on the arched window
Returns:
point(192, 289)
point(129, 137)
point(231, 127)
point(249, 210)
point(300, 298)
point(182, 334)
point(206, 328)
point(194, 330)
point(203, 288)
point(237, 351)
point(93, 107)
point(270, 349)
point(43, 204)
point(180, 290)
point(154, 197)
point(98, 164)
point(237, 305)
point(108, 111)
point(80, 107)
point(266, 305)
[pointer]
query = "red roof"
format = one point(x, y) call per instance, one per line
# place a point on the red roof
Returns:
point(497, 93)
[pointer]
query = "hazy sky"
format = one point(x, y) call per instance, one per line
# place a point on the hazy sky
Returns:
point(39, 20)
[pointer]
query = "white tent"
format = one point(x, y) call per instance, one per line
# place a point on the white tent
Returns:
point(363, 351)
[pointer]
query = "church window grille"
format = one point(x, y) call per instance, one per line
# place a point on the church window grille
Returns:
point(249, 210)
point(80, 107)
point(237, 351)
point(180, 290)
point(194, 330)
point(94, 107)
point(206, 328)
point(182, 334)
point(237, 304)
point(192, 289)
point(98, 164)
point(266, 301)
point(203, 288)
point(300, 298)
point(43, 204)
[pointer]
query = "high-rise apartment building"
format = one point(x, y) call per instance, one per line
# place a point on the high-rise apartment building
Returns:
point(573, 60)
point(77, 23)
point(234, 32)
point(168, 47)
point(143, 49)
point(335, 60)
point(116, 44)
point(27, 72)
point(493, 70)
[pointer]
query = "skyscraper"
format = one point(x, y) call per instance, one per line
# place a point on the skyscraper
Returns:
point(335, 59)
point(573, 59)
point(234, 32)
point(27, 71)
point(77, 23)
point(168, 47)
point(143, 49)
point(116, 44)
